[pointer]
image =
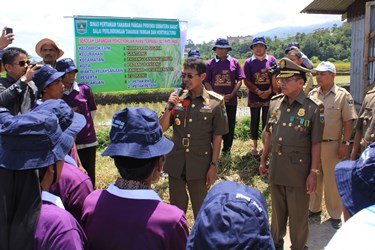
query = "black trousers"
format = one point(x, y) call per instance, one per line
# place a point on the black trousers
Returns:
point(88, 159)
point(255, 119)
point(228, 138)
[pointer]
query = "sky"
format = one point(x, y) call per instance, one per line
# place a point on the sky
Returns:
point(207, 19)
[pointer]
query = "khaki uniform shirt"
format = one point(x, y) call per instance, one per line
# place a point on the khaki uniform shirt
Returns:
point(293, 127)
point(195, 121)
point(366, 121)
point(338, 108)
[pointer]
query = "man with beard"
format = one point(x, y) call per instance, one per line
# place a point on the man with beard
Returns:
point(18, 92)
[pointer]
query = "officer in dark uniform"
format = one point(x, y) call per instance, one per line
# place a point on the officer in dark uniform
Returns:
point(199, 120)
point(294, 133)
point(365, 125)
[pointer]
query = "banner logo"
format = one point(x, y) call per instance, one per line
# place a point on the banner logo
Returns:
point(81, 26)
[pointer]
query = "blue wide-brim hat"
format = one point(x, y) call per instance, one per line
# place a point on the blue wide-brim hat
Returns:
point(222, 43)
point(33, 140)
point(232, 216)
point(45, 76)
point(70, 122)
point(258, 40)
point(356, 181)
point(194, 53)
point(136, 133)
point(66, 65)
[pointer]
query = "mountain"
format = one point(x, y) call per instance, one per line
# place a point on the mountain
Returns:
point(285, 32)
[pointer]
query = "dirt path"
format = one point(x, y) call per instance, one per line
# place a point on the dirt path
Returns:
point(321, 233)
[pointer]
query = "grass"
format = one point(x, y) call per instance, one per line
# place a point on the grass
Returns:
point(236, 167)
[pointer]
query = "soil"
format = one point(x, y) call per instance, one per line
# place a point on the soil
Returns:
point(321, 233)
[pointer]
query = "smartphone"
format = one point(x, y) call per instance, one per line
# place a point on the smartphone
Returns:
point(8, 30)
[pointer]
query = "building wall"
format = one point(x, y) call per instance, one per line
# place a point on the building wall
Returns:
point(357, 88)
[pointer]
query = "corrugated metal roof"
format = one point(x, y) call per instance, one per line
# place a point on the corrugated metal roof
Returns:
point(336, 7)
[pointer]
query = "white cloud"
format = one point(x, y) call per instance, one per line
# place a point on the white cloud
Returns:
point(208, 19)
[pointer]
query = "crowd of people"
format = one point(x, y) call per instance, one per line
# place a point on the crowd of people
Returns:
point(48, 154)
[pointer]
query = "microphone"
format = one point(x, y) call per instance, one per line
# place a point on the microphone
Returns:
point(179, 91)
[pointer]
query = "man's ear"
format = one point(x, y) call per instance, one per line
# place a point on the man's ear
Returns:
point(7, 67)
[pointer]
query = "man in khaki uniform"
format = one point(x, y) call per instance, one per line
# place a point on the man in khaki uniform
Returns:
point(294, 132)
point(365, 126)
point(339, 113)
point(199, 120)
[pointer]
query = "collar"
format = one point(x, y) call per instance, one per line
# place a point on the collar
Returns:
point(47, 196)
point(140, 194)
point(333, 90)
point(11, 79)
point(74, 87)
point(300, 97)
point(254, 58)
point(228, 58)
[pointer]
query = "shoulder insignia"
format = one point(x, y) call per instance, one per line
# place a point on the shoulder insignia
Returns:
point(277, 96)
point(314, 90)
point(343, 90)
point(216, 95)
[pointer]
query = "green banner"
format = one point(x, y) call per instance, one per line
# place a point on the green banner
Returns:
point(115, 54)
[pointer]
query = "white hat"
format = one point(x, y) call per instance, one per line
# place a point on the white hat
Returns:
point(326, 66)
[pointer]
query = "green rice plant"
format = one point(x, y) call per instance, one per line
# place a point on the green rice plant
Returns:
point(102, 135)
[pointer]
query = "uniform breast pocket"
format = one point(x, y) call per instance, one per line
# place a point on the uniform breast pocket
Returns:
point(332, 112)
point(205, 117)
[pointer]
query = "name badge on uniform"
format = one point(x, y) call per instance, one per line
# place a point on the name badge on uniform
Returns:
point(206, 109)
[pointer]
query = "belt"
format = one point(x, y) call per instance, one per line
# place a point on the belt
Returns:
point(186, 142)
point(328, 140)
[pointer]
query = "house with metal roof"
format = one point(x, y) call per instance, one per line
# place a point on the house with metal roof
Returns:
point(361, 14)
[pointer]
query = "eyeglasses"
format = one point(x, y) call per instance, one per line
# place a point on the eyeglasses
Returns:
point(22, 63)
point(288, 80)
point(189, 75)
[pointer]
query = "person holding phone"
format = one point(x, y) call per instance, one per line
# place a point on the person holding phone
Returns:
point(7, 37)
point(17, 90)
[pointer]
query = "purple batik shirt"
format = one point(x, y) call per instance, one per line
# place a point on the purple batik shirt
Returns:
point(223, 76)
point(257, 72)
point(132, 219)
point(73, 188)
point(83, 102)
point(57, 228)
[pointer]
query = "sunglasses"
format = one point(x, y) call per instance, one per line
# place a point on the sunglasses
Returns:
point(22, 63)
point(190, 75)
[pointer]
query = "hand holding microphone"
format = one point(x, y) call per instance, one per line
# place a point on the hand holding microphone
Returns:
point(174, 97)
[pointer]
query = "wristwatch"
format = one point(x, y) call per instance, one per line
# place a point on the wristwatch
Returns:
point(216, 164)
point(24, 79)
point(316, 171)
point(347, 143)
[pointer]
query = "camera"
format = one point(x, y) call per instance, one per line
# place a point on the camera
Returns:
point(274, 69)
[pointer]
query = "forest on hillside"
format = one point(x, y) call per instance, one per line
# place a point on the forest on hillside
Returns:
point(331, 44)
